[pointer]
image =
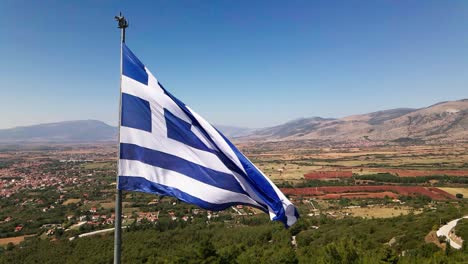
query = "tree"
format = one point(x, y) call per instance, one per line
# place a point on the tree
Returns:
point(331, 254)
point(389, 256)
point(206, 252)
point(10, 246)
point(448, 247)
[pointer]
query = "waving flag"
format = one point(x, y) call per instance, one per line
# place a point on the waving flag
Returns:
point(168, 149)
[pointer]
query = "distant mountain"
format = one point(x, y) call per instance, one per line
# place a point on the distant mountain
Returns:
point(380, 117)
point(445, 121)
point(298, 127)
point(68, 131)
point(234, 132)
point(83, 131)
point(442, 121)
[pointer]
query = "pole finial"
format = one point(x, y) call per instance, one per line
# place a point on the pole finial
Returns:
point(123, 23)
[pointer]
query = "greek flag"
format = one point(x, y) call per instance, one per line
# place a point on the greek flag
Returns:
point(166, 148)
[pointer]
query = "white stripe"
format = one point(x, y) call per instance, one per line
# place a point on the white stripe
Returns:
point(154, 95)
point(147, 140)
point(184, 183)
point(248, 189)
point(159, 101)
point(224, 146)
point(287, 205)
point(218, 139)
point(202, 137)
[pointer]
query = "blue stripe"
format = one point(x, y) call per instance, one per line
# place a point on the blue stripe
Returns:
point(260, 185)
point(226, 161)
point(132, 66)
point(170, 162)
point(179, 130)
point(140, 184)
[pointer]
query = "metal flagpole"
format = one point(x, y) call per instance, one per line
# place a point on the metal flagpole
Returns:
point(123, 24)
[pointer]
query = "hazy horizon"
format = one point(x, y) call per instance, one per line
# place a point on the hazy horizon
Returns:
point(223, 124)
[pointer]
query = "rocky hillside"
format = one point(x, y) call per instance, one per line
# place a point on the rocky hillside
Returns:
point(442, 121)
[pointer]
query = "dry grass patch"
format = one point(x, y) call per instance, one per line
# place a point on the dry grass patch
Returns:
point(285, 171)
point(98, 165)
point(454, 191)
point(380, 211)
point(130, 210)
point(71, 201)
point(14, 240)
point(110, 205)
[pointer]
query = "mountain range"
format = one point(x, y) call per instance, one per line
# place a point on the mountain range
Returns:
point(445, 121)
point(68, 131)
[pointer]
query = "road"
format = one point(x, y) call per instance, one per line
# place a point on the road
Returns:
point(95, 232)
point(446, 230)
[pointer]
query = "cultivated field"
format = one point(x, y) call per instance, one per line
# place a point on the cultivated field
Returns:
point(454, 191)
point(292, 160)
point(392, 191)
point(379, 211)
point(333, 171)
point(420, 173)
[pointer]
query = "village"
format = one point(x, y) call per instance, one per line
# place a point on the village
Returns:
point(69, 193)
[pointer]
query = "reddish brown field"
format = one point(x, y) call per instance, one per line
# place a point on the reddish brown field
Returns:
point(368, 191)
point(419, 173)
point(328, 174)
point(358, 195)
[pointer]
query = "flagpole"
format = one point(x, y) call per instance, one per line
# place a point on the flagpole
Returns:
point(123, 24)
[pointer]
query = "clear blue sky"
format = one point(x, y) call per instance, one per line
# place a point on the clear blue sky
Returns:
point(243, 63)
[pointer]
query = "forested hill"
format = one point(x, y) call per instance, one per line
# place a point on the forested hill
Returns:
point(257, 240)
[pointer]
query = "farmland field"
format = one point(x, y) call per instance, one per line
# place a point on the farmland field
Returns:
point(416, 173)
point(454, 191)
point(336, 171)
point(380, 211)
point(286, 160)
point(368, 191)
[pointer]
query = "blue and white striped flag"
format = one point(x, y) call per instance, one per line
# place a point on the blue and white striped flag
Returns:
point(168, 149)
